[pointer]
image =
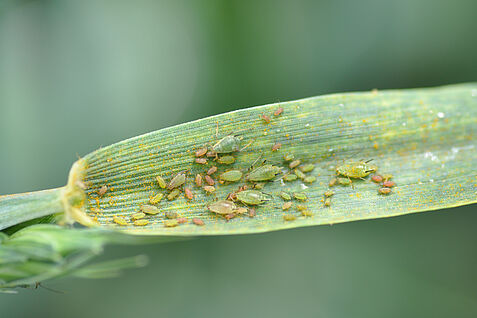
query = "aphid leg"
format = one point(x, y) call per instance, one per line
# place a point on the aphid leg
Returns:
point(368, 160)
point(253, 163)
point(351, 182)
point(217, 130)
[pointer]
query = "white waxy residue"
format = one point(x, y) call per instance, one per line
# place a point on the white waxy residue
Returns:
point(441, 115)
point(430, 155)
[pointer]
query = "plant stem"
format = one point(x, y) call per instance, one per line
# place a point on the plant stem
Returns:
point(18, 208)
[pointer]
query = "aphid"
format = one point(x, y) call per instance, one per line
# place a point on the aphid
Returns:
point(211, 154)
point(188, 194)
point(327, 202)
point(149, 209)
point(306, 213)
point(389, 184)
point(332, 182)
point(329, 193)
point(278, 112)
point(174, 194)
point(198, 180)
point(222, 207)
point(356, 169)
point(212, 170)
point(344, 181)
point(285, 196)
point(241, 210)
point(300, 196)
point(377, 178)
point(120, 221)
point(102, 190)
point(289, 157)
point(229, 217)
point(201, 161)
point(161, 182)
point(263, 173)
point(252, 213)
point(287, 205)
point(259, 186)
point(289, 217)
point(226, 160)
point(301, 207)
point(290, 177)
point(276, 146)
point(171, 215)
point(252, 197)
point(307, 168)
point(181, 220)
point(387, 176)
point(141, 222)
point(265, 118)
point(227, 144)
point(178, 180)
point(209, 180)
point(137, 216)
point(201, 152)
point(209, 189)
point(197, 221)
point(300, 174)
point(384, 191)
point(171, 223)
point(309, 179)
point(156, 199)
point(294, 163)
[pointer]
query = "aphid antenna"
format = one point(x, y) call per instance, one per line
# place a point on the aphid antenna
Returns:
point(247, 145)
point(258, 158)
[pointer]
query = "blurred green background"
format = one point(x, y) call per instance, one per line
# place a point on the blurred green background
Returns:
point(76, 75)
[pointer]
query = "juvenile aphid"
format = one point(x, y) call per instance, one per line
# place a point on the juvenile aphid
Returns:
point(387, 176)
point(300, 196)
point(389, 184)
point(263, 173)
point(222, 207)
point(332, 182)
point(197, 221)
point(276, 146)
point(103, 190)
point(241, 210)
point(289, 217)
point(201, 152)
point(156, 199)
point(171, 215)
point(252, 197)
point(211, 154)
point(188, 194)
point(265, 118)
point(171, 223)
point(174, 194)
point(356, 169)
point(149, 209)
point(212, 170)
point(287, 205)
point(198, 180)
point(329, 193)
point(201, 161)
point(307, 168)
point(120, 221)
point(301, 207)
point(137, 216)
point(226, 160)
point(252, 213)
point(259, 186)
point(209, 189)
point(344, 181)
point(294, 163)
point(285, 196)
point(181, 220)
point(161, 182)
point(309, 179)
point(377, 178)
point(209, 180)
point(278, 112)
point(227, 144)
point(384, 190)
point(290, 177)
point(306, 213)
point(178, 180)
point(289, 157)
point(229, 217)
point(327, 202)
point(299, 174)
point(141, 222)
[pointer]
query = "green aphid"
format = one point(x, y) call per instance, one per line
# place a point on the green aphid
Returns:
point(294, 164)
point(252, 197)
point(171, 223)
point(174, 194)
point(356, 169)
point(149, 209)
point(289, 217)
point(227, 144)
point(263, 173)
point(344, 181)
point(141, 222)
point(307, 168)
point(231, 176)
point(223, 207)
point(301, 207)
point(285, 196)
point(309, 179)
point(161, 181)
point(120, 221)
point(299, 174)
point(156, 199)
point(327, 202)
point(300, 196)
point(259, 186)
point(137, 216)
point(307, 213)
point(329, 193)
point(171, 215)
point(289, 157)
point(290, 177)
point(178, 180)
point(226, 160)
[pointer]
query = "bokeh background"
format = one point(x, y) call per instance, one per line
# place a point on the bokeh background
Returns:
point(76, 75)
